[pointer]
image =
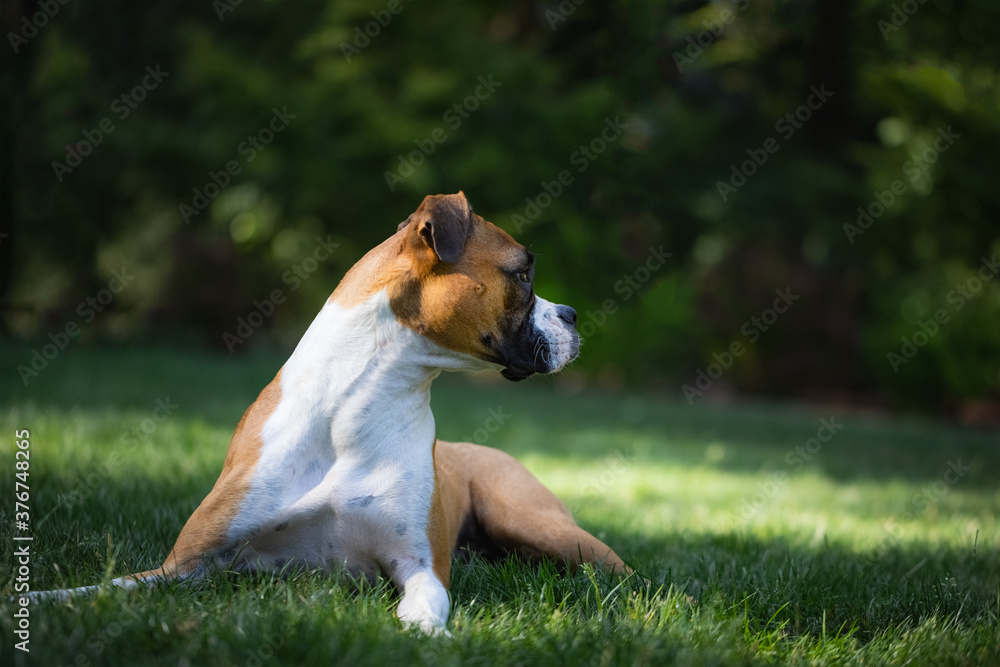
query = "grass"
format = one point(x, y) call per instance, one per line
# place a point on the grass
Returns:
point(874, 550)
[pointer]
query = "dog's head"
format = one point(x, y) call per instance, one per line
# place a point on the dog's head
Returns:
point(469, 289)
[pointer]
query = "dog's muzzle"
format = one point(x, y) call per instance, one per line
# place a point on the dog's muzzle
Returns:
point(546, 342)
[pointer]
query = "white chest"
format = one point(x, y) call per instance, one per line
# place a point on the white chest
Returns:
point(345, 474)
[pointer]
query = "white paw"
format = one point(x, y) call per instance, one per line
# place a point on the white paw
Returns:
point(424, 605)
point(428, 627)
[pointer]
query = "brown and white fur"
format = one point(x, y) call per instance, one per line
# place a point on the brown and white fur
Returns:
point(336, 464)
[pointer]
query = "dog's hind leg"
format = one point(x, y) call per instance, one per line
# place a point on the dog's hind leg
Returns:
point(518, 514)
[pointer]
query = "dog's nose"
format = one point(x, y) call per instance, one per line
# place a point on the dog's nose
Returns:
point(567, 315)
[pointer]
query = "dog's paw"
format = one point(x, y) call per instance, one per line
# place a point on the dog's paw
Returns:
point(424, 605)
point(428, 628)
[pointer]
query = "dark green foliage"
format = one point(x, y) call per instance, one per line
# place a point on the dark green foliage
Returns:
point(554, 79)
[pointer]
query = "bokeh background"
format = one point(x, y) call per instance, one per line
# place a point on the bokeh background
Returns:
point(382, 103)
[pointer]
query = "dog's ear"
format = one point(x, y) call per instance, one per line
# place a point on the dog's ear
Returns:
point(442, 225)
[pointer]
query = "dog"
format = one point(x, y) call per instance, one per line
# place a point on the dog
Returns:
point(337, 465)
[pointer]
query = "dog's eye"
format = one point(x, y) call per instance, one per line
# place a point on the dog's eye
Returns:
point(523, 277)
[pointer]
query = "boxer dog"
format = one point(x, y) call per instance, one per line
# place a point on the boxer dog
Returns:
point(336, 464)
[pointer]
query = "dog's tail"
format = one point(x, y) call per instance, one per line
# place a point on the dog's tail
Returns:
point(160, 575)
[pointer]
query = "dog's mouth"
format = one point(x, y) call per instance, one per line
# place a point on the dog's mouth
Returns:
point(543, 358)
point(520, 362)
point(515, 367)
point(516, 373)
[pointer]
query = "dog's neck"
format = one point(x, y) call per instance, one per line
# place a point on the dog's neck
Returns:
point(354, 405)
point(367, 376)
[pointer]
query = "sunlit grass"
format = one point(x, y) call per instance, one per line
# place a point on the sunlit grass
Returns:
point(869, 551)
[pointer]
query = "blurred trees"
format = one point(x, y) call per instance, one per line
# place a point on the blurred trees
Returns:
point(715, 145)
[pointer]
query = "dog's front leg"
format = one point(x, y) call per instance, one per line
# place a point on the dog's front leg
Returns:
point(425, 602)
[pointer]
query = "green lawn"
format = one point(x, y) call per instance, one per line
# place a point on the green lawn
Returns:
point(882, 548)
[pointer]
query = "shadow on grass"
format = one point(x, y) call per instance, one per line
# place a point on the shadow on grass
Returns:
point(813, 587)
